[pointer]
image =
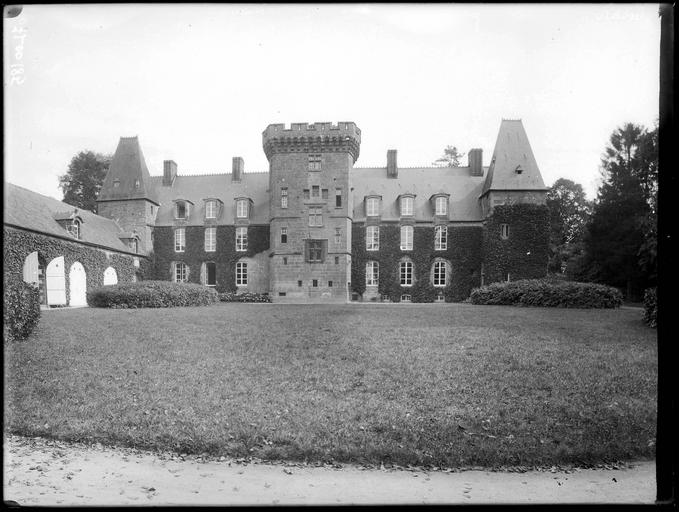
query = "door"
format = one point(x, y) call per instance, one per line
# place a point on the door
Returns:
point(77, 285)
point(34, 274)
point(55, 284)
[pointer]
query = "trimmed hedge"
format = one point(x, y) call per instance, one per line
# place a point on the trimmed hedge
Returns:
point(545, 293)
point(651, 307)
point(244, 297)
point(151, 294)
point(22, 309)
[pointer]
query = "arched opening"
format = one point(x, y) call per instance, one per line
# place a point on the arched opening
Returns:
point(34, 273)
point(55, 282)
point(77, 285)
point(110, 276)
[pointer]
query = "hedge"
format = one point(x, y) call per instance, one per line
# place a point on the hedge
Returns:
point(151, 294)
point(546, 293)
point(244, 297)
point(22, 309)
point(651, 307)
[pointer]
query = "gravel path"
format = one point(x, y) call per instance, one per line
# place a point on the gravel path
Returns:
point(44, 472)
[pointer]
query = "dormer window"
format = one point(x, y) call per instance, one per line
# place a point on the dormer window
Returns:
point(441, 205)
point(372, 206)
point(211, 209)
point(242, 208)
point(407, 204)
point(181, 210)
point(136, 183)
point(518, 169)
point(74, 228)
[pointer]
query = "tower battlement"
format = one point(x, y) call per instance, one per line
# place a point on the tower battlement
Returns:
point(305, 137)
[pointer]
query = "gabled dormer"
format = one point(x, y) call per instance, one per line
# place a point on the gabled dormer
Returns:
point(71, 221)
point(243, 208)
point(212, 208)
point(406, 205)
point(373, 205)
point(131, 240)
point(182, 209)
point(440, 205)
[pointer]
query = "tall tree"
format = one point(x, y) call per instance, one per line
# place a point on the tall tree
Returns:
point(451, 158)
point(85, 175)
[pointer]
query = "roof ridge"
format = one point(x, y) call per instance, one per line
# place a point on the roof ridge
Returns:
point(215, 174)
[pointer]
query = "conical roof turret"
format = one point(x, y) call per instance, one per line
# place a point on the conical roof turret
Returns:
point(127, 177)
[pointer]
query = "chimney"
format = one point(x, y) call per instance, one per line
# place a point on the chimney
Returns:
point(169, 172)
point(392, 168)
point(237, 168)
point(475, 162)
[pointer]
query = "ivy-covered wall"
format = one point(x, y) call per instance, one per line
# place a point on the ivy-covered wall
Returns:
point(18, 244)
point(225, 256)
point(463, 253)
point(525, 253)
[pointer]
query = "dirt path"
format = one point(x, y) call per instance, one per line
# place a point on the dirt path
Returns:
point(42, 472)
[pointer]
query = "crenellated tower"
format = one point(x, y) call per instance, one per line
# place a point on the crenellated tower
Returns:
point(311, 209)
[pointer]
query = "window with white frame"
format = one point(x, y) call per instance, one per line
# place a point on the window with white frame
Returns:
point(242, 208)
point(209, 273)
point(406, 273)
point(439, 273)
point(406, 297)
point(441, 205)
point(181, 272)
point(179, 239)
point(284, 235)
point(407, 238)
point(242, 239)
point(241, 273)
point(440, 238)
point(181, 210)
point(372, 207)
point(211, 209)
point(372, 238)
point(372, 273)
point(315, 216)
point(504, 231)
point(407, 205)
point(210, 239)
point(74, 228)
point(284, 198)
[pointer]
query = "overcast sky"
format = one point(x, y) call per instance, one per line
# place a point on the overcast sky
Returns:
point(198, 84)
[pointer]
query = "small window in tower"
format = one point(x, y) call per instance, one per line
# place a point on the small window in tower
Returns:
point(338, 236)
point(116, 183)
point(336, 260)
point(329, 284)
point(315, 190)
point(136, 183)
point(315, 283)
point(518, 169)
point(285, 260)
point(306, 193)
point(299, 284)
point(314, 162)
point(338, 198)
point(284, 235)
point(284, 198)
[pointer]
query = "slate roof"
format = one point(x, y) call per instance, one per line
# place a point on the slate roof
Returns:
point(128, 166)
point(512, 149)
point(30, 210)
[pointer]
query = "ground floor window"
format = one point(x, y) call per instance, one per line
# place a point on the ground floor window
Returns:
point(439, 273)
point(241, 273)
point(181, 272)
point(406, 273)
point(406, 298)
point(372, 273)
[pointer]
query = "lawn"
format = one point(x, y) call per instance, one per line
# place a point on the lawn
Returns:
point(442, 385)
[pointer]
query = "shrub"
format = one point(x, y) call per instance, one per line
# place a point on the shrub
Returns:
point(22, 309)
point(151, 294)
point(244, 297)
point(651, 307)
point(548, 293)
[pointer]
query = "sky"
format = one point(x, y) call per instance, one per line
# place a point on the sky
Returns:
point(199, 83)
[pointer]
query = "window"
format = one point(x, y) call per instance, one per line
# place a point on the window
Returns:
point(324, 193)
point(439, 273)
point(329, 284)
point(315, 216)
point(372, 238)
point(314, 283)
point(406, 238)
point(134, 245)
point(241, 239)
point(440, 297)
point(116, 183)
point(306, 193)
point(315, 189)
point(406, 206)
point(406, 273)
point(284, 235)
point(284, 198)
point(210, 239)
point(285, 260)
point(338, 236)
point(441, 205)
point(299, 284)
point(372, 273)
point(314, 162)
point(406, 298)
point(336, 260)
point(504, 231)
point(315, 251)
point(440, 238)
point(181, 210)
point(74, 228)
point(179, 240)
point(211, 210)
point(372, 206)
point(338, 198)
point(181, 272)
point(209, 274)
point(242, 208)
point(241, 273)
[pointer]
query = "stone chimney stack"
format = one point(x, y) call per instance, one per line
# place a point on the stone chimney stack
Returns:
point(169, 172)
point(392, 167)
point(237, 168)
point(475, 162)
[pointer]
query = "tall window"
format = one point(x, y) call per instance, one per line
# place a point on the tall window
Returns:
point(181, 272)
point(181, 210)
point(315, 190)
point(504, 231)
point(241, 239)
point(439, 273)
point(242, 209)
point(241, 273)
point(315, 216)
point(209, 274)
point(284, 235)
point(338, 236)
point(372, 238)
point(372, 207)
point(179, 240)
point(406, 238)
point(211, 210)
point(210, 239)
point(314, 162)
point(74, 228)
point(338, 198)
point(406, 273)
point(315, 251)
point(372, 273)
point(440, 238)
point(406, 206)
point(284, 198)
point(441, 205)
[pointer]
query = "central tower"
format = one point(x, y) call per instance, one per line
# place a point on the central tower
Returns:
point(311, 209)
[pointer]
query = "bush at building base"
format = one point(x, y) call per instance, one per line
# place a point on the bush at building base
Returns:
point(22, 309)
point(546, 293)
point(244, 297)
point(651, 307)
point(151, 294)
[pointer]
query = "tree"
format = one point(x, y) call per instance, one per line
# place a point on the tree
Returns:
point(451, 158)
point(84, 177)
point(569, 212)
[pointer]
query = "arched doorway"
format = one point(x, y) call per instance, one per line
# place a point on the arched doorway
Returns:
point(110, 276)
point(77, 285)
point(34, 273)
point(55, 282)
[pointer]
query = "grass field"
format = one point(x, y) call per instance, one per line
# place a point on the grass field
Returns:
point(442, 385)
